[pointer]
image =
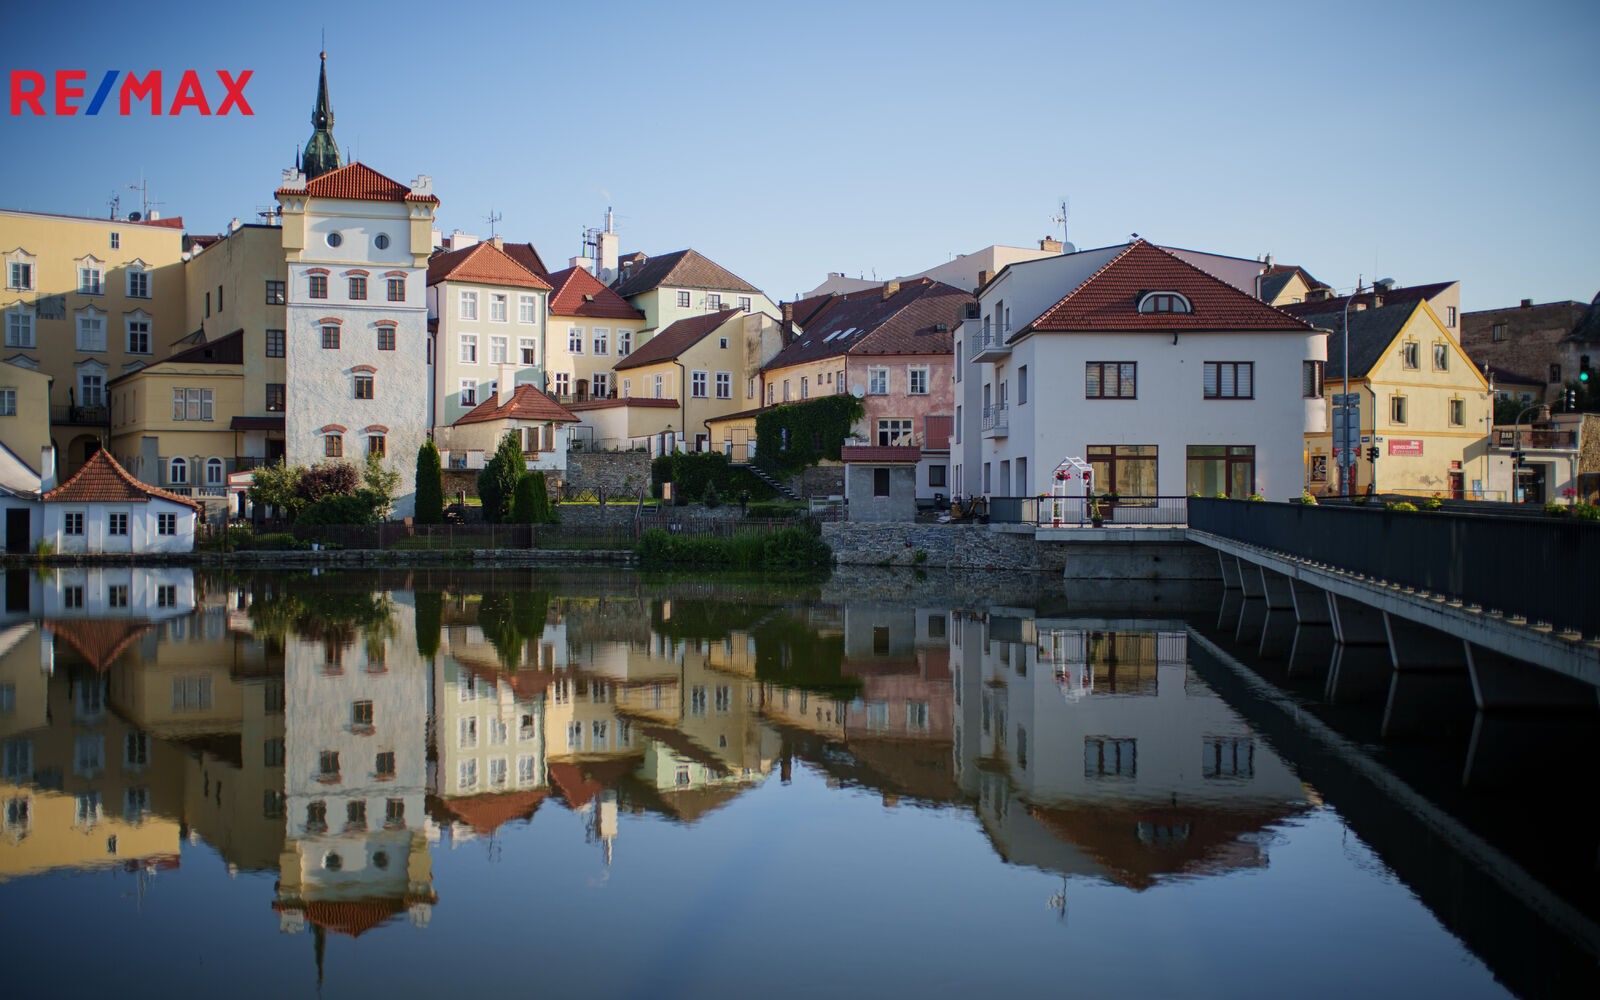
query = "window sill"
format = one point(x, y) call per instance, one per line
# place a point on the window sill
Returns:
point(363, 730)
point(329, 779)
point(383, 777)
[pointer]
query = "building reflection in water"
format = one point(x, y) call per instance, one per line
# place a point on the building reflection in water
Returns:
point(333, 733)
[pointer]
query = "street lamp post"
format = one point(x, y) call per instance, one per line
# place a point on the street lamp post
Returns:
point(1516, 464)
point(1347, 458)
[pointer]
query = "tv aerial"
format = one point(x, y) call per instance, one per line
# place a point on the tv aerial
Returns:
point(1060, 219)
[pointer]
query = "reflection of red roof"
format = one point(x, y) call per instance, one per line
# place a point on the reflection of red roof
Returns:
point(488, 812)
point(102, 480)
point(353, 917)
point(579, 782)
point(99, 641)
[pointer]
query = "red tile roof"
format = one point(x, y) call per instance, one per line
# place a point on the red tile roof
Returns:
point(579, 293)
point(580, 781)
point(1109, 299)
point(359, 182)
point(353, 917)
point(680, 269)
point(919, 317)
point(527, 403)
point(102, 480)
point(1394, 296)
point(676, 339)
point(485, 264)
point(880, 455)
point(528, 257)
point(98, 641)
point(487, 813)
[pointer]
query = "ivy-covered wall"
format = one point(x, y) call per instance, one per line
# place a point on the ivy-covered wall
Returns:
point(793, 436)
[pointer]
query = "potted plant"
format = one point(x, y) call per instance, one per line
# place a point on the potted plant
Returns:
point(1097, 510)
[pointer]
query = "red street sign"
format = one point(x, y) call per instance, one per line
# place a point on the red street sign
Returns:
point(1405, 446)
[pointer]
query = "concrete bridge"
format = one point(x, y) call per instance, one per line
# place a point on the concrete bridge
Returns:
point(1513, 603)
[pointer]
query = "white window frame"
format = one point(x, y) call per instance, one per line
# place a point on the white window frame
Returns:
point(178, 471)
point(499, 307)
point(624, 342)
point(469, 392)
point(18, 259)
point(85, 374)
point(502, 347)
point(600, 385)
point(91, 276)
point(574, 340)
point(601, 335)
point(138, 271)
point(699, 385)
point(22, 328)
point(86, 344)
point(467, 349)
point(216, 466)
point(562, 383)
point(8, 401)
point(527, 309)
point(724, 385)
point(467, 305)
point(128, 323)
point(878, 381)
point(912, 371)
point(657, 385)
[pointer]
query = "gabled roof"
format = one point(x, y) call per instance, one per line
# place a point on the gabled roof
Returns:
point(685, 269)
point(676, 339)
point(579, 293)
point(919, 317)
point(1278, 276)
point(228, 350)
point(1371, 333)
point(1394, 296)
point(98, 640)
point(102, 480)
point(1502, 376)
point(527, 403)
point(358, 182)
point(484, 264)
point(1109, 299)
point(528, 257)
point(488, 812)
point(1588, 329)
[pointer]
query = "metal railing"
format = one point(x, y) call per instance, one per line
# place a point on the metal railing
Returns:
point(996, 418)
point(1073, 512)
point(988, 337)
point(1540, 568)
point(93, 415)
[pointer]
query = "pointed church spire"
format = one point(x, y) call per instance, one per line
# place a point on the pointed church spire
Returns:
point(322, 153)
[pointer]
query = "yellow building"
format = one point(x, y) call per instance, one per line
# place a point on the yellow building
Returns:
point(1424, 405)
point(85, 300)
point(236, 282)
point(734, 434)
point(24, 427)
point(707, 364)
point(173, 423)
point(592, 329)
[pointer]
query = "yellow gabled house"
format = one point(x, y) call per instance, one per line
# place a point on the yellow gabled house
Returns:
point(1424, 405)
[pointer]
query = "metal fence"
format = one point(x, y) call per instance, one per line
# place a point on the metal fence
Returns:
point(397, 537)
point(1072, 512)
point(1542, 568)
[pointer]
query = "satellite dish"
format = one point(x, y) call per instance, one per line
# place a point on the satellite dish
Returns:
point(134, 216)
point(858, 391)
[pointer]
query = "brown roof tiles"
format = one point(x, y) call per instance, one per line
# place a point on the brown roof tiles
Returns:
point(579, 293)
point(527, 403)
point(484, 264)
point(683, 268)
point(102, 480)
point(919, 317)
point(676, 339)
point(359, 182)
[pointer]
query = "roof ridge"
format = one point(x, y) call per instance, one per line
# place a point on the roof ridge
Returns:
point(103, 457)
point(873, 333)
point(1085, 282)
point(1207, 274)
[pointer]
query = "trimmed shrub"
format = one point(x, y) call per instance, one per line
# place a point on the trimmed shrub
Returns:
point(1404, 506)
point(430, 485)
point(712, 500)
point(327, 479)
point(361, 507)
point(498, 480)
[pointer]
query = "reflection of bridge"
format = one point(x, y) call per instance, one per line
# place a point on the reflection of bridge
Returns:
point(1513, 602)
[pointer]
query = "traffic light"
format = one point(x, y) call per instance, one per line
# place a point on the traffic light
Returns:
point(1516, 458)
point(1584, 373)
point(1372, 453)
point(1569, 399)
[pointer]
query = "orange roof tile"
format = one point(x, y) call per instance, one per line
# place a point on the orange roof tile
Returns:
point(527, 403)
point(1109, 299)
point(98, 641)
point(102, 480)
point(359, 182)
point(579, 293)
point(488, 812)
point(485, 264)
point(676, 339)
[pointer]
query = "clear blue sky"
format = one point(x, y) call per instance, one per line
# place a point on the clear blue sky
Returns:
point(1419, 142)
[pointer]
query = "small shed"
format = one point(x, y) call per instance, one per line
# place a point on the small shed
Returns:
point(880, 483)
point(104, 509)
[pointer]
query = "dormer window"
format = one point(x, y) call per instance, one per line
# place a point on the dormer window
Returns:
point(1164, 302)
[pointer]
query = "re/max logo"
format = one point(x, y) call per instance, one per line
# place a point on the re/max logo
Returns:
point(30, 93)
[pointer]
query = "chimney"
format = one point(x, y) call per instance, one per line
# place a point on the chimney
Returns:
point(606, 250)
point(507, 385)
point(890, 289)
point(47, 468)
point(1050, 245)
point(1527, 303)
point(587, 263)
point(498, 242)
point(788, 312)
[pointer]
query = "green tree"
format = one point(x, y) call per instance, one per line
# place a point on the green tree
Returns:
point(278, 486)
point(525, 501)
point(498, 481)
point(430, 485)
point(544, 512)
point(380, 481)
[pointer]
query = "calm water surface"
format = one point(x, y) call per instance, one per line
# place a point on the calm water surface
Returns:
point(623, 785)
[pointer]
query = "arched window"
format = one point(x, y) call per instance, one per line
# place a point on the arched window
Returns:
point(1164, 302)
point(213, 472)
point(178, 472)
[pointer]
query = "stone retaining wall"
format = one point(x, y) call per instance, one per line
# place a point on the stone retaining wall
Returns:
point(586, 515)
point(612, 471)
point(951, 546)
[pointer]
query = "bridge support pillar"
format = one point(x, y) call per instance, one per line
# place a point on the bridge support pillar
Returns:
point(1358, 674)
point(1276, 588)
point(1356, 624)
point(1252, 616)
point(1277, 635)
point(1230, 570)
point(1425, 705)
point(1249, 578)
point(1312, 652)
point(1310, 603)
point(1501, 683)
point(1417, 647)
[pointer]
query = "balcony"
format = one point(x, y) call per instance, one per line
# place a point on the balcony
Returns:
point(80, 416)
point(987, 340)
point(996, 421)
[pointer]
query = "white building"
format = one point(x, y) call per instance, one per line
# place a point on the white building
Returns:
point(357, 245)
point(103, 509)
point(966, 271)
point(1167, 379)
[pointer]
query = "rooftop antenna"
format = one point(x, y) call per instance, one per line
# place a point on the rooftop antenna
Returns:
point(116, 205)
point(492, 218)
point(145, 204)
point(1060, 219)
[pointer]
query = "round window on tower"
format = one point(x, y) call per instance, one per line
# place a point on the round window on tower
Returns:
point(334, 239)
point(382, 241)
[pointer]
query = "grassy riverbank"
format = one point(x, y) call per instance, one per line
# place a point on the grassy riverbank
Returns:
point(787, 548)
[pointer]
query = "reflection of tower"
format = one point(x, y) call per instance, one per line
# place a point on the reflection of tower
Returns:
point(602, 825)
